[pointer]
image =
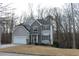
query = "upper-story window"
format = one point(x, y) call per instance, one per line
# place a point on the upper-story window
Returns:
point(35, 28)
point(45, 27)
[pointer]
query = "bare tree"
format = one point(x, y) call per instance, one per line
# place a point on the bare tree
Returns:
point(7, 20)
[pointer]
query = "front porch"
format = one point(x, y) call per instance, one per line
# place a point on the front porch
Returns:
point(36, 39)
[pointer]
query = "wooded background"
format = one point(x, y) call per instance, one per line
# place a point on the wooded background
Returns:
point(65, 22)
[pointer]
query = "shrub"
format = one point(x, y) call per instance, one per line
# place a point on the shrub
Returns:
point(55, 44)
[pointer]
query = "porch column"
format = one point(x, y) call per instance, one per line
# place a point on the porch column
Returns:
point(0, 39)
point(51, 34)
point(36, 38)
point(31, 40)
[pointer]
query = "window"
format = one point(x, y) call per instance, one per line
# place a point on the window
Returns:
point(35, 28)
point(45, 27)
point(45, 37)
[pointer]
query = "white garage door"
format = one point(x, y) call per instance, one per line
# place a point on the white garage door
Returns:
point(19, 40)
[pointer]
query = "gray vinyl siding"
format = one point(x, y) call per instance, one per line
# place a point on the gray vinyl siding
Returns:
point(35, 24)
point(20, 32)
point(45, 26)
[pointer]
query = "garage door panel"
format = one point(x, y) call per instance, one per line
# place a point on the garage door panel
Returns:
point(20, 40)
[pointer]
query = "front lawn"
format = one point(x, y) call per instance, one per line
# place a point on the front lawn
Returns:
point(41, 50)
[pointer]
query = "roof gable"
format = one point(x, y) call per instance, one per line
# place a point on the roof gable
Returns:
point(35, 24)
point(26, 26)
point(20, 30)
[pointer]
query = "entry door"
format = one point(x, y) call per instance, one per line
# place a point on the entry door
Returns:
point(35, 39)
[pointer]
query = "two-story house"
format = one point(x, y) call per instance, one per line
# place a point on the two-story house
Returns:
point(40, 31)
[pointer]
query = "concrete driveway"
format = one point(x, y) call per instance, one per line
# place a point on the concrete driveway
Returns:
point(7, 45)
point(9, 54)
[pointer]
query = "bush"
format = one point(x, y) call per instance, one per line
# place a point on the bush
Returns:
point(55, 44)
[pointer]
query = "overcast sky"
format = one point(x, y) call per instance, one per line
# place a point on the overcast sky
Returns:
point(22, 5)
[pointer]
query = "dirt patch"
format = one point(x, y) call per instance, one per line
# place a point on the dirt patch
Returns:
point(41, 50)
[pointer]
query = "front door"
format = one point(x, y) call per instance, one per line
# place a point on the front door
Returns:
point(35, 39)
